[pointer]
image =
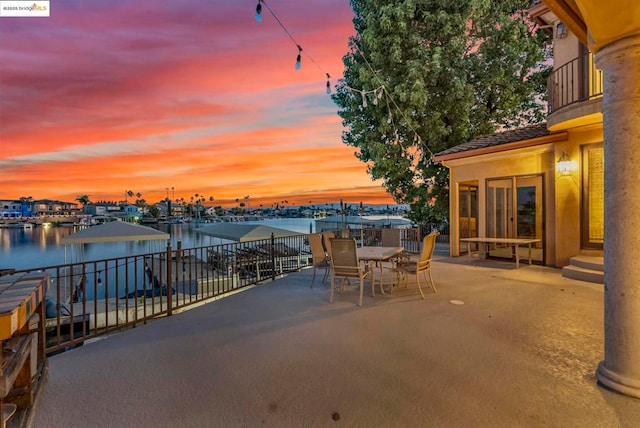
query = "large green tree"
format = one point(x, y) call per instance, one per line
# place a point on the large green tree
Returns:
point(425, 75)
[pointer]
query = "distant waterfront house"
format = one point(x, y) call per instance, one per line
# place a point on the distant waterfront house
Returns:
point(50, 207)
point(102, 208)
point(96, 209)
point(14, 209)
point(543, 181)
point(128, 213)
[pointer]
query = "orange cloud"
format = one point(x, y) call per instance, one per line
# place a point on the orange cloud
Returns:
point(105, 97)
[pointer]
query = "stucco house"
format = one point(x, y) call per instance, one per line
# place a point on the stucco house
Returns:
point(12, 208)
point(543, 181)
point(602, 138)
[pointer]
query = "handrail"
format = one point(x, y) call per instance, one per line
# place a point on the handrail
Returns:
point(93, 298)
point(89, 299)
point(576, 81)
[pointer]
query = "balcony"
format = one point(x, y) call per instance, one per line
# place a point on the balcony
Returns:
point(521, 351)
point(575, 94)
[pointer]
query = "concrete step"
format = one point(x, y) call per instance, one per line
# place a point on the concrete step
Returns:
point(583, 274)
point(588, 262)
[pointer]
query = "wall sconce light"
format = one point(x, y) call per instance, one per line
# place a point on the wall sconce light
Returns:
point(563, 166)
point(561, 31)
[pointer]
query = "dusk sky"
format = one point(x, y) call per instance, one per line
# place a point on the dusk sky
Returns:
point(106, 96)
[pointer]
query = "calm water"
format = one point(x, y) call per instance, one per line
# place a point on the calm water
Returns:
point(40, 246)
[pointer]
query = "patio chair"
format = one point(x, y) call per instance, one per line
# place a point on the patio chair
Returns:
point(422, 265)
point(326, 241)
point(319, 256)
point(391, 237)
point(345, 265)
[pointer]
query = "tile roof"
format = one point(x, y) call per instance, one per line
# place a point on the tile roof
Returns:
point(499, 138)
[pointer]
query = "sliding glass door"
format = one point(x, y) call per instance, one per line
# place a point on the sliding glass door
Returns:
point(468, 213)
point(515, 210)
point(500, 208)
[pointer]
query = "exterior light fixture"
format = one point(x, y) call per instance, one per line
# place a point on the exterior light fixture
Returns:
point(563, 166)
point(259, 11)
point(328, 85)
point(561, 31)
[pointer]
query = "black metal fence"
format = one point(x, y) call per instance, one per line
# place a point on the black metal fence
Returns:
point(93, 298)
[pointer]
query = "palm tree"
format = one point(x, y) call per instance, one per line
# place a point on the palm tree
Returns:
point(84, 200)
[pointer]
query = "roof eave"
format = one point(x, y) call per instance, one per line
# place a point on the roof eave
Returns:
point(551, 138)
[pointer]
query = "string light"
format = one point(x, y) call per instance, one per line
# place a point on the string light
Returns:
point(259, 11)
point(258, 17)
point(383, 91)
point(299, 58)
point(377, 94)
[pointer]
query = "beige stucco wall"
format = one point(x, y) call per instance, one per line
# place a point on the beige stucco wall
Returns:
point(562, 192)
point(565, 49)
point(568, 193)
point(478, 169)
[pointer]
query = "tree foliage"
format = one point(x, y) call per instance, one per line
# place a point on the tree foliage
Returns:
point(83, 199)
point(434, 74)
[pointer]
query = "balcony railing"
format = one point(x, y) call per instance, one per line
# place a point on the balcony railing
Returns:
point(576, 81)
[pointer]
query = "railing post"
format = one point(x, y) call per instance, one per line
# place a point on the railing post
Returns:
point(273, 258)
point(169, 284)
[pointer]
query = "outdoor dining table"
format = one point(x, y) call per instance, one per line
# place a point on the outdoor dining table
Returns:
point(514, 243)
point(378, 254)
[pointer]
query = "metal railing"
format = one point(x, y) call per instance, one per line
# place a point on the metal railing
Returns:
point(410, 238)
point(90, 299)
point(576, 81)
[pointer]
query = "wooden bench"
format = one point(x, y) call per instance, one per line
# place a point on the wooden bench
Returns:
point(514, 243)
point(22, 334)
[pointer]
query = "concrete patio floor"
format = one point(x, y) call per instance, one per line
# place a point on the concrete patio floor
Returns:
point(521, 352)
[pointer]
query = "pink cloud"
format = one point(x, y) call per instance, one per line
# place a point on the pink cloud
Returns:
point(108, 96)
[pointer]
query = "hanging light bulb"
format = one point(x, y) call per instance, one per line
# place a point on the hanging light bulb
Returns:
point(364, 99)
point(375, 98)
point(259, 11)
point(298, 58)
point(328, 84)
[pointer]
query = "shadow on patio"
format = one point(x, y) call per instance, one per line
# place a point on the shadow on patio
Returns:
point(521, 351)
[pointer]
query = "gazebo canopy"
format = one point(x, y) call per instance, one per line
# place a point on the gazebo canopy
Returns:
point(115, 231)
point(245, 232)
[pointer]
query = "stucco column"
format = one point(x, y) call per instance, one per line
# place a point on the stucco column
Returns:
point(620, 62)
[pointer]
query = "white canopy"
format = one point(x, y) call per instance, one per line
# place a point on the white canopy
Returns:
point(115, 231)
point(245, 232)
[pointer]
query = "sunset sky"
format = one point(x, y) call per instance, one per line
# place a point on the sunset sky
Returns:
point(106, 96)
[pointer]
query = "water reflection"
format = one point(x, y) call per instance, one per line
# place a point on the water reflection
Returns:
point(40, 246)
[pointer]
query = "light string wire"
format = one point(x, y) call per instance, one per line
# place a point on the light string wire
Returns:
point(298, 46)
point(416, 136)
point(382, 88)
